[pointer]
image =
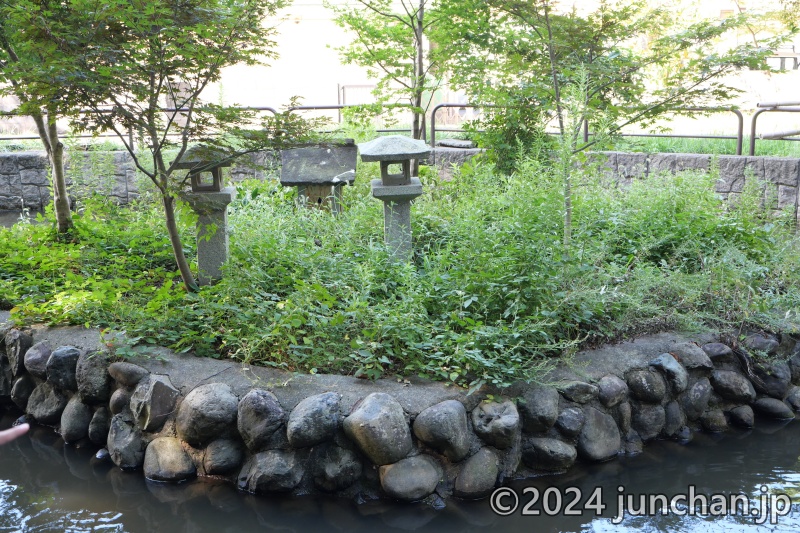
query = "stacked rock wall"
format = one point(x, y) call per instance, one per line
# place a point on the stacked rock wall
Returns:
point(315, 440)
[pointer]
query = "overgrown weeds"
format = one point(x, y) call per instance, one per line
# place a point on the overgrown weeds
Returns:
point(490, 297)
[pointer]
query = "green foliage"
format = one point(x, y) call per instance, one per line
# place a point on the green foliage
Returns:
point(491, 296)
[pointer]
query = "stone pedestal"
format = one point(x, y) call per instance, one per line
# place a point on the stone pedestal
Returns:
point(212, 231)
point(397, 215)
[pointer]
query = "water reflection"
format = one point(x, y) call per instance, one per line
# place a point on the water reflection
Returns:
point(48, 486)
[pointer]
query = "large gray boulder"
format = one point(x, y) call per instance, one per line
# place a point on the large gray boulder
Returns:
point(99, 426)
point(548, 454)
point(599, 439)
point(314, 420)
point(222, 457)
point(22, 390)
point(647, 385)
point(538, 408)
point(695, 400)
point(758, 342)
point(334, 468)
point(61, 367)
point(733, 386)
point(443, 427)
point(206, 413)
point(17, 345)
point(259, 416)
point(675, 373)
point(378, 426)
point(166, 460)
point(126, 446)
point(714, 421)
point(120, 401)
point(692, 357)
point(153, 401)
point(773, 408)
point(578, 391)
point(774, 379)
point(127, 374)
point(648, 421)
point(612, 390)
point(46, 404)
point(271, 471)
point(478, 475)
point(410, 479)
point(75, 420)
point(91, 373)
point(36, 359)
point(674, 419)
point(742, 416)
point(497, 424)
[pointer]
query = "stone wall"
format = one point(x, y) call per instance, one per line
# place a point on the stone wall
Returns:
point(25, 181)
point(176, 417)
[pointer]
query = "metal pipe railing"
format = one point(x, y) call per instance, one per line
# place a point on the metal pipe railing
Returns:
point(770, 107)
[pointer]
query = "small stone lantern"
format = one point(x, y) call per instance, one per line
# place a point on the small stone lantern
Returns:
point(396, 189)
point(210, 202)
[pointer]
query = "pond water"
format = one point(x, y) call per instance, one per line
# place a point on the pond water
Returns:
point(46, 485)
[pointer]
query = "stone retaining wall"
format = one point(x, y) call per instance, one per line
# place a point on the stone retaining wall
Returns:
point(25, 182)
point(176, 417)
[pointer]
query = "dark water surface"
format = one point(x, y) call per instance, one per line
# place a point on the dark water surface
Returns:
point(46, 485)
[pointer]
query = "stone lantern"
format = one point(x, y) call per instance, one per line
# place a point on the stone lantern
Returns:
point(210, 201)
point(396, 189)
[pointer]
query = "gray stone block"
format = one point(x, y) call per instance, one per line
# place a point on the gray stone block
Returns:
point(631, 165)
point(36, 177)
point(8, 164)
point(783, 171)
point(699, 162)
point(787, 196)
point(662, 163)
point(754, 166)
point(31, 160)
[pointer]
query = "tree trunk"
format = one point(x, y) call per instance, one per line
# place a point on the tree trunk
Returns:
point(48, 133)
point(175, 240)
point(419, 81)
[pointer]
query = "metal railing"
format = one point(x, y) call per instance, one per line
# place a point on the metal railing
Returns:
point(772, 107)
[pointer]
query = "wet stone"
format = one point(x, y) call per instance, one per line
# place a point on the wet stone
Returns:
point(120, 401)
point(695, 400)
point(673, 371)
point(61, 367)
point(166, 460)
point(22, 390)
point(578, 391)
point(495, 423)
point(772, 408)
point(478, 475)
point(599, 439)
point(46, 404)
point(444, 428)
point(570, 422)
point(75, 420)
point(410, 479)
point(153, 401)
point(775, 379)
point(378, 426)
point(612, 390)
point(548, 454)
point(793, 397)
point(624, 413)
point(36, 359)
point(538, 409)
point(334, 468)
point(125, 443)
point(259, 416)
point(17, 344)
point(714, 421)
point(733, 386)
point(94, 382)
point(206, 413)
point(742, 416)
point(127, 374)
point(99, 426)
point(648, 421)
point(675, 419)
point(314, 420)
point(222, 457)
point(632, 443)
point(717, 350)
point(646, 385)
point(271, 471)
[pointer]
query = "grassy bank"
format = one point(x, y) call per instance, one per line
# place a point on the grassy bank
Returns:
point(491, 296)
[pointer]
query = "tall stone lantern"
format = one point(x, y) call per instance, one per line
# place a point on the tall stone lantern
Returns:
point(396, 189)
point(210, 201)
